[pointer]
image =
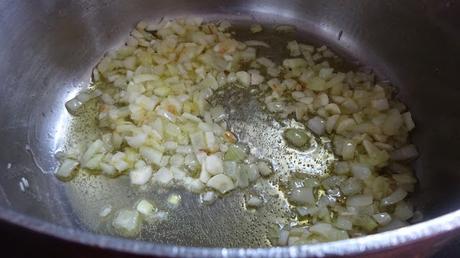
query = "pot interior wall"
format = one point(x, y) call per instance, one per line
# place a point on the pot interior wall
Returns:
point(48, 49)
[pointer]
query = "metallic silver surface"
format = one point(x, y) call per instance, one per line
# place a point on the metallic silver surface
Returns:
point(48, 48)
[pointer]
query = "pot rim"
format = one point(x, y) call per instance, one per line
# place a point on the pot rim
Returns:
point(436, 227)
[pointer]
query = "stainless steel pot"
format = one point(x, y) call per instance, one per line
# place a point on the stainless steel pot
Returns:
point(48, 47)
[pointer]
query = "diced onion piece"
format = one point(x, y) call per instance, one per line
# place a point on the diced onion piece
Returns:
point(118, 161)
point(93, 149)
point(176, 160)
point(392, 123)
point(256, 43)
point(328, 231)
point(293, 47)
point(235, 153)
point(105, 211)
point(403, 211)
point(242, 177)
point(360, 171)
point(231, 169)
point(244, 78)
point(73, 105)
point(256, 78)
point(360, 200)
point(283, 237)
point(254, 201)
point(394, 224)
point(108, 170)
point(317, 126)
point(398, 195)
point(330, 123)
point(382, 218)
point(380, 104)
point(364, 221)
point(405, 153)
point(164, 176)
point(140, 176)
point(145, 207)
point(252, 172)
point(343, 223)
point(302, 196)
point(151, 155)
point(208, 197)
point(297, 137)
point(348, 150)
point(198, 141)
point(351, 186)
point(67, 169)
point(174, 200)
point(136, 141)
point(204, 174)
point(193, 185)
point(341, 167)
point(264, 168)
point(408, 122)
point(221, 183)
point(214, 165)
point(127, 222)
point(144, 78)
point(318, 84)
point(256, 28)
point(345, 125)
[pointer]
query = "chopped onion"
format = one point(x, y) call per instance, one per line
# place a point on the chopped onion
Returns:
point(394, 224)
point(140, 176)
point(397, 196)
point(328, 232)
point(235, 153)
point(221, 183)
point(302, 196)
point(360, 200)
point(403, 211)
point(297, 137)
point(145, 207)
point(256, 28)
point(343, 223)
point(264, 168)
point(151, 155)
point(380, 104)
point(365, 222)
point(208, 197)
point(105, 211)
point(214, 165)
point(127, 222)
point(382, 218)
point(341, 167)
point(67, 169)
point(254, 201)
point(360, 171)
point(73, 105)
point(164, 176)
point(404, 153)
point(244, 78)
point(348, 150)
point(316, 124)
point(407, 117)
point(256, 43)
point(174, 200)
